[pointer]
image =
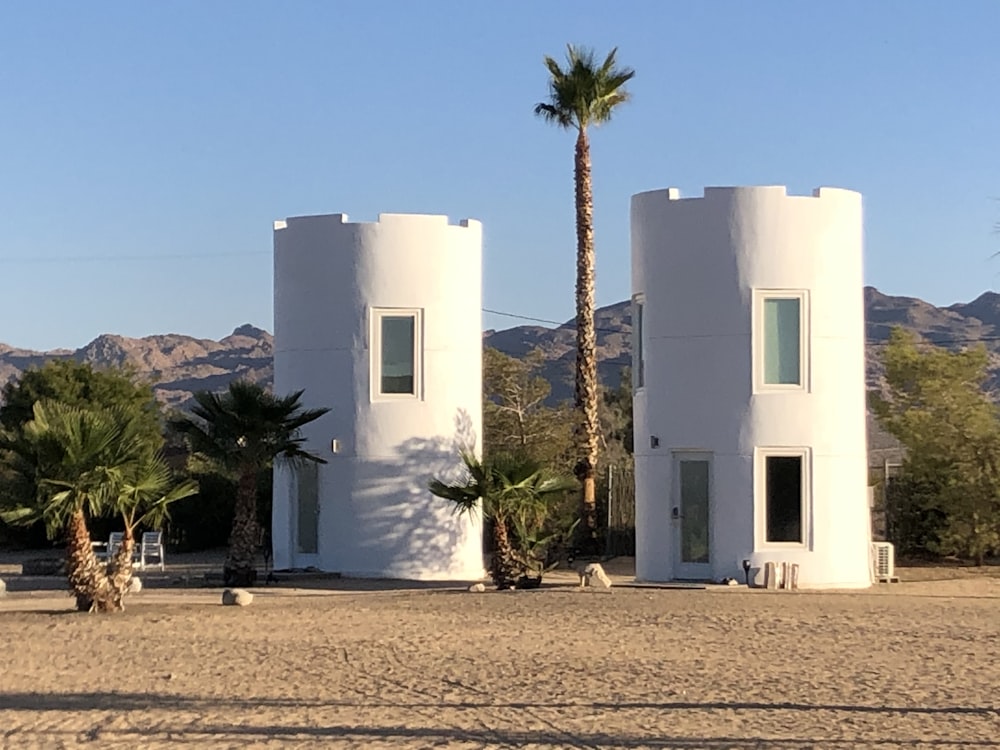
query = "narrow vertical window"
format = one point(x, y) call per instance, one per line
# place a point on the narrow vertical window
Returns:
point(639, 354)
point(307, 486)
point(782, 341)
point(783, 499)
point(396, 353)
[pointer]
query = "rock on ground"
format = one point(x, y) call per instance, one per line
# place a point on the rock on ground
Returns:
point(236, 597)
point(594, 575)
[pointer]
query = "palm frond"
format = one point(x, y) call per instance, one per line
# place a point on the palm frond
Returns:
point(247, 425)
point(585, 92)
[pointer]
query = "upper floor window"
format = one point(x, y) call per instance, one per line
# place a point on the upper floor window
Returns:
point(781, 340)
point(396, 353)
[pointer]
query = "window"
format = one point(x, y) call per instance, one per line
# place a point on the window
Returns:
point(639, 354)
point(781, 340)
point(396, 353)
point(783, 492)
point(784, 499)
point(307, 486)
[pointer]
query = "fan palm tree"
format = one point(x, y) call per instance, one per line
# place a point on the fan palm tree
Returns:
point(144, 494)
point(245, 429)
point(510, 488)
point(77, 459)
point(585, 93)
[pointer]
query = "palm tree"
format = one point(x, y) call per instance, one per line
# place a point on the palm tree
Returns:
point(585, 93)
point(143, 496)
point(77, 459)
point(245, 429)
point(510, 489)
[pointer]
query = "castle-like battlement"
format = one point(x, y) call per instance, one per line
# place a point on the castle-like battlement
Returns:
point(383, 219)
point(722, 192)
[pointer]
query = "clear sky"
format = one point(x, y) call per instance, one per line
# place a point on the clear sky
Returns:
point(146, 148)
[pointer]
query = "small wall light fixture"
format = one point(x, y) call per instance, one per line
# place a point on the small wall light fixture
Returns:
point(654, 442)
point(335, 446)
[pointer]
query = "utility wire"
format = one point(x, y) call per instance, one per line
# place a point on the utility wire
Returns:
point(115, 258)
point(875, 342)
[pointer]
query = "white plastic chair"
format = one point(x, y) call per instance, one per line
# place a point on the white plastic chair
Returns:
point(151, 547)
point(114, 542)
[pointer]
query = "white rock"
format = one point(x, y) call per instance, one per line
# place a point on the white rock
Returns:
point(594, 575)
point(236, 597)
point(477, 588)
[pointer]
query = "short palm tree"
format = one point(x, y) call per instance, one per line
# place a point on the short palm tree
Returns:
point(585, 93)
point(143, 496)
point(246, 429)
point(509, 489)
point(79, 460)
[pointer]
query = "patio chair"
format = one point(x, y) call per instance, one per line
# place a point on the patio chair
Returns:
point(114, 542)
point(100, 550)
point(151, 548)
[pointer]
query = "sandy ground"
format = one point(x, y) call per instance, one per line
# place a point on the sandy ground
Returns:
point(374, 665)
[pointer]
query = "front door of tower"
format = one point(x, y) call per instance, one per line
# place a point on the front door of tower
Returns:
point(691, 515)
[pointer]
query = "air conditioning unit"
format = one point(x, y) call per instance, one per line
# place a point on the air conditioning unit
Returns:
point(884, 562)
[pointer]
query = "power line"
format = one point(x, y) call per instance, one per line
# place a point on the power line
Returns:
point(571, 325)
point(873, 341)
point(522, 317)
point(116, 258)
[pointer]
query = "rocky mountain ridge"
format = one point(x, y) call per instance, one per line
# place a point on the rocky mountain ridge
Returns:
point(179, 365)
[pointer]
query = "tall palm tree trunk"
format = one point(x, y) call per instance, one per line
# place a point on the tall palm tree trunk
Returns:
point(239, 569)
point(585, 392)
point(82, 568)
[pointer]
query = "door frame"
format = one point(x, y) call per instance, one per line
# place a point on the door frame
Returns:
point(687, 570)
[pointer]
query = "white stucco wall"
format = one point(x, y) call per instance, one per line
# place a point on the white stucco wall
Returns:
point(376, 517)
point(697, 262)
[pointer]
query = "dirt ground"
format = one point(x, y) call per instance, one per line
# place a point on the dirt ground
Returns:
point(376, 665)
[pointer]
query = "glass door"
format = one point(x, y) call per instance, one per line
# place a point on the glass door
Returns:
point(691, 515)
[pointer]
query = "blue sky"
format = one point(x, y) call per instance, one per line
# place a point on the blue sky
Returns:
point(155, 143)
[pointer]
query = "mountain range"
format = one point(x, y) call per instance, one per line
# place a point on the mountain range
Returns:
point(178, 365)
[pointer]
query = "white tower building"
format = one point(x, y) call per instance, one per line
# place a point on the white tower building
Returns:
point(381, 322)
point(750, 438)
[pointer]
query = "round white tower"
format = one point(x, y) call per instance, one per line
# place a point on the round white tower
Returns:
point(750, 438)
point(381, 322)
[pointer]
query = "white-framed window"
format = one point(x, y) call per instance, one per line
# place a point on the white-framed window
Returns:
point(396, 353)
point(781, 340)
point(638, 349)
point(783, 497)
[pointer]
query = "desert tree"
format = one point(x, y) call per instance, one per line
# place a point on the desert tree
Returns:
point(80, 463)
point(245, 430)
point(935, 403)
point(510, 491)
point(584, 94)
